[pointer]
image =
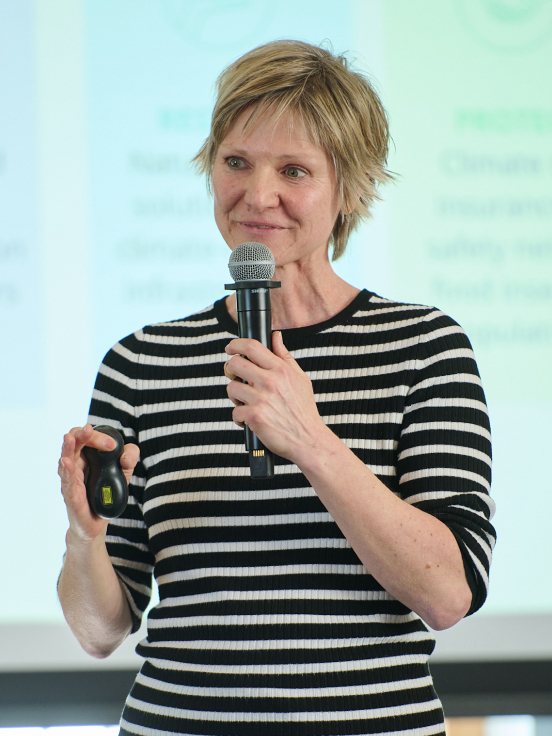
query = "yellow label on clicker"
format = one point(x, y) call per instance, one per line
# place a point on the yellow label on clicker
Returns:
point(107, 496)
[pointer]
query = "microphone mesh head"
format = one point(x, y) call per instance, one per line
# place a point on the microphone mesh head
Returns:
point(252, 262)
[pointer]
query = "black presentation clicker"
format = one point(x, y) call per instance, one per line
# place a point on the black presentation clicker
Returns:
point(106, 485)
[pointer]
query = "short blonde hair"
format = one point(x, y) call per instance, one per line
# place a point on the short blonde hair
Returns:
point(338, 107)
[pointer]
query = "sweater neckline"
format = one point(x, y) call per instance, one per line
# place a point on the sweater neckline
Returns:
point(363, 297)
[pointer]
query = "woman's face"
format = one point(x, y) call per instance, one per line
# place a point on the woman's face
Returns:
point(273, 185)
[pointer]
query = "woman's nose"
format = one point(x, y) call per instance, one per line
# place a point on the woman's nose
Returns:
point(262, 189)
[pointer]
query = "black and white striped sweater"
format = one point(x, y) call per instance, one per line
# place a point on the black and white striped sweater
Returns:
point(268, 623)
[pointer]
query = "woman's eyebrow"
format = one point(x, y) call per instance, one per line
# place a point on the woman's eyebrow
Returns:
point(282, 156)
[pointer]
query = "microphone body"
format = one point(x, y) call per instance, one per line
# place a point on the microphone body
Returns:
point(252, 267)
point(255, 322)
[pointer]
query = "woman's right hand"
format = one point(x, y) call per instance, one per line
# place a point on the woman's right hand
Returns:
point(71, 469)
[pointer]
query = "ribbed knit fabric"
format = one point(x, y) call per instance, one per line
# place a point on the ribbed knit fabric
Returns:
point(268, 624)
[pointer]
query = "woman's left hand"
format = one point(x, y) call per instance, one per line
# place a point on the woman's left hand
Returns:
point(277, 402)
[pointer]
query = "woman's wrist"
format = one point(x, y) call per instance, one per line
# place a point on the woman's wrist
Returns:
point(77, 540)
point(318, 451)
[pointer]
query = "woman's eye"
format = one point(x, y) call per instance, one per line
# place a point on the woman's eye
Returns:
point(234, 162)
point(294, 172)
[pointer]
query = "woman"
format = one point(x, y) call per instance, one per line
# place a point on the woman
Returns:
point(292, 605)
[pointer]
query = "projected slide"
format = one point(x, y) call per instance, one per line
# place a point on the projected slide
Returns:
point(21, 305)
point(105, 227)
point(471, 231)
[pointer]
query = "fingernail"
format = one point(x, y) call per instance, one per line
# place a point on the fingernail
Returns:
point(110, 444)
point(62, 463)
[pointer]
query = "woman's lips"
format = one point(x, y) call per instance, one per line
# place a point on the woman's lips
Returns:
point(261, 226)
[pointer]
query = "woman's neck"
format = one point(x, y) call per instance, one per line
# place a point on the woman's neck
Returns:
point(307, 296)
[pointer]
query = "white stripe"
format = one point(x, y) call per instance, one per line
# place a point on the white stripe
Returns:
point(391, 418)
point(391, 310)
point(390, 470)
point(200, 522)
point(227, 449)
point(255, 495)
point(105, 370)
point(384, 370)
point(220, 596)
point(271, 645)
point(479, 567)
point(435, 495)
point(379, 393)
point(360, 327)
point(263, 571)
point(190, 323)
point(282, 692)
point(192, 450)
point(448, 355)
point(441, 403)
point(446, 449)
point(156, 360)
point(175, 383)
point(183, 405)
point(117, 403)
point(127, 523)
point(225, 403)
point(377, 370)
point(445, 473)
point(154, 432)
point(210, 472)
point(216, 472)
point(448, 426)
point(360, 444)
point(131, 564)
point(187, 340)
point(441, 332)
point(262, 546)
point(458, 378)
point(126, 431)
point(343, 350)
point(136, 481)
point(485, 548)
point(271, 619)
point(121, 540)
point(294, 717)
point(386, 347)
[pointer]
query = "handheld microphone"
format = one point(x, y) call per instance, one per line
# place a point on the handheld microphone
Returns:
point(106, 486)
point(252, 266)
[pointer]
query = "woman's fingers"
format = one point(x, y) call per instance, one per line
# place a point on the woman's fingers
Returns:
point(244, 369)
point(129, 459)
point(254, 351)
point(71, 468)
point(228, 373)
point(276, 399)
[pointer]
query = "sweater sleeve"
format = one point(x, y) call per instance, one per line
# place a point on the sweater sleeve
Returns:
point(114, 403)
point(444, 454)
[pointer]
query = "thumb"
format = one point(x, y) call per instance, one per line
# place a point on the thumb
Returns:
point(129, 458)
point(278, 347)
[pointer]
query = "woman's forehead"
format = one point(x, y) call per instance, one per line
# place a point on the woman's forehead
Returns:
point(270, 123)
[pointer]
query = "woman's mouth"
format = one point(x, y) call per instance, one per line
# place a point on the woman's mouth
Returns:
point(262, 226)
